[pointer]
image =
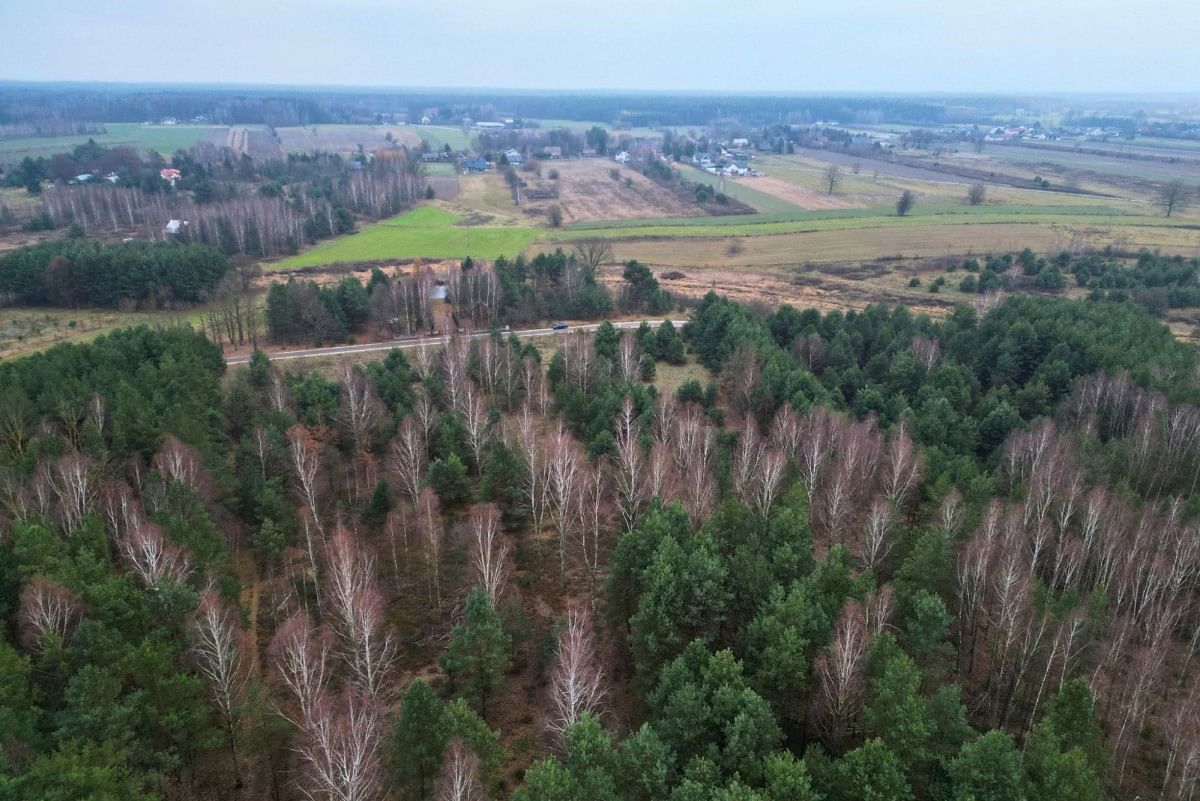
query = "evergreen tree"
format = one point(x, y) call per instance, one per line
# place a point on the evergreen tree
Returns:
point(478, 655)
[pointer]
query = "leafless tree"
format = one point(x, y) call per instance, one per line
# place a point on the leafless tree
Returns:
point(460, 775)
point(489, 550)
point(454, 372)
point(306, 463)
point(746, 457)
point(407, 457)
point(369, 646)
point(478, 424)
point(564, 472)
point(360, 409)
point(630, 473)
point(152, 558)
point(594, 253)
point(831, 178)
point(1172, 196)
point(72, 479)
point(300, 652)
point(840, 674)
point(593, 522)
point(577, 679)
point(768, 480)
point(810, 349)
point(928, 351)
point(219, 649)
point(786, 431)
point(277, 392)
point(877, 536)
point(903, 466)
point(429, 522)
point(180, 463)
point(340, 752)
point(628, 358)
point(49, 612)
point(976, 193)
point(818, 439)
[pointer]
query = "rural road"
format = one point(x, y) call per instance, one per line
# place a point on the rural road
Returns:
point(341, 350)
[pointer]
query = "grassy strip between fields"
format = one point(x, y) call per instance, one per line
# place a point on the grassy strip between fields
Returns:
point(425, 232)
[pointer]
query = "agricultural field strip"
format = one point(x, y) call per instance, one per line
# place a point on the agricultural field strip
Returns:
point(829, 221)
point(342, 350)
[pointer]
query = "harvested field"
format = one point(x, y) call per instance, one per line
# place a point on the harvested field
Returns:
point(797, 195)
point(587, 191)
point(919, 241)
point(445, 187)
point(258, 143)
point(344, 138)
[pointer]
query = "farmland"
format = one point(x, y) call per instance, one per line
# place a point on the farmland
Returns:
point(165, 139)
point(343, 138)
point(425, 232)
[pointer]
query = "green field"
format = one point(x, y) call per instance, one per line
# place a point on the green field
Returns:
point(440, 168)
point(166, 139)
point(438, 136)
point(425, 232)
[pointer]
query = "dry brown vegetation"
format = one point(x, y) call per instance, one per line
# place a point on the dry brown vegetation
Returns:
point(587, 191)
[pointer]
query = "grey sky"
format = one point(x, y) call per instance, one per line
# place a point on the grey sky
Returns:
point(839, 45)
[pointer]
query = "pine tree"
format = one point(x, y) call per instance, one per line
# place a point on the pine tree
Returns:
point(478, 656)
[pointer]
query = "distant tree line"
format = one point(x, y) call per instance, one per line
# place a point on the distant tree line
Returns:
point(87, 273)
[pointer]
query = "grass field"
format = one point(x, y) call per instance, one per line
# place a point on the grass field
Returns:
point(440, 168)
point(166, 139)
point(425, 232)
point(438, 136)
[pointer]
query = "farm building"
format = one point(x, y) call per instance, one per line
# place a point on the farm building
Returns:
point(621, 157)
point(170, 174)
point(552, 152)
point(475, 165)
point(513, 157)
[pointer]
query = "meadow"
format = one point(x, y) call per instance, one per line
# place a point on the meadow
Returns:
point(425, 232)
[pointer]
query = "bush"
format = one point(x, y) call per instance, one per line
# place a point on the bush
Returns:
point(914, 282)
point(968, 284)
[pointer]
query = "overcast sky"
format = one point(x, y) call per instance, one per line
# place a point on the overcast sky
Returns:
point(733, 45)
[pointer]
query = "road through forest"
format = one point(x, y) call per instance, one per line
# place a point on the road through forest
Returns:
point(403, 344)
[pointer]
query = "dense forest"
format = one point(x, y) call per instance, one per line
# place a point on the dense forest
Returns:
point(78, 272)
point(863, 555)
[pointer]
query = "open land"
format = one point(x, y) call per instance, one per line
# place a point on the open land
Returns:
point(799, 243)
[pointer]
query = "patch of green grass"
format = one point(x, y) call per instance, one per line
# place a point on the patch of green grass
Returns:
point(438, 136)
point(166, 139)
point(424, 232)
point(440, 168)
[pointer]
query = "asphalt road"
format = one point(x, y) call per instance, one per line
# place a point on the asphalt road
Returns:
point(404, 344)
